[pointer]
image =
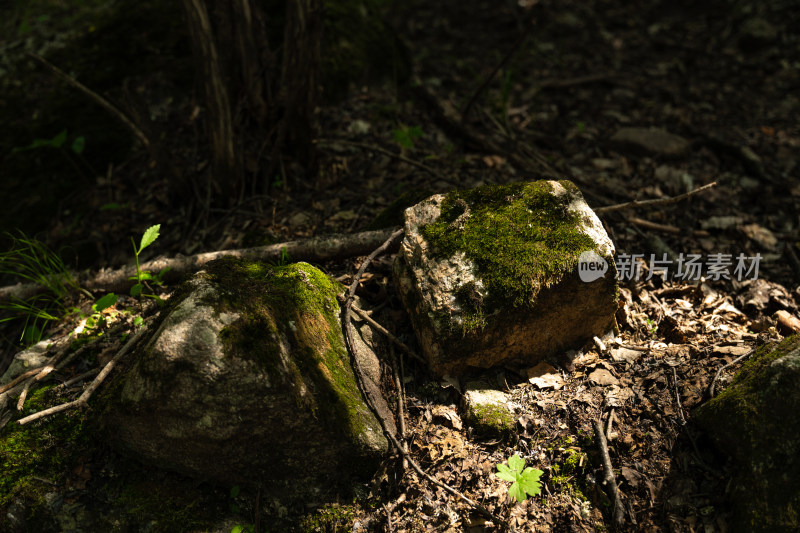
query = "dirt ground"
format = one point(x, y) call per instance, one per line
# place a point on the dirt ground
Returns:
point(719, 82)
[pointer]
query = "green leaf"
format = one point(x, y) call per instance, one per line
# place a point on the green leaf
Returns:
point(529, 481)
point(138, 321)
point(79, 144)
point(516, 463)
point(59, 140)
point(136, 290)
point(525, 480)
point(516, 492)
point(104, 303)
point(149, 236)
point(235, 491)
point(237, 529)
point(505, 473)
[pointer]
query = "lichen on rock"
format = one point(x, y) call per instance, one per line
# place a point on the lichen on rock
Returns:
point(754, 421)
point(489, 275)
point(247, 379)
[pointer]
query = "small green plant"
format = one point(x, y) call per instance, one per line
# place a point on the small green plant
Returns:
point(652, 327)
point(525, 481)
point(29, 260)
point(143, 276)
point(406, 136)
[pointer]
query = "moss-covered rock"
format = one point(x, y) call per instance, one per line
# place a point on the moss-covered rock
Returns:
point(755, 422)
point(490, 275)
point(488, 410)
point(246, 379)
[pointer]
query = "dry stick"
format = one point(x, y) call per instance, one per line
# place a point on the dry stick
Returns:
point(435, 173)
point(514, 48)
point(649, 203)
point(76, 379)
point(618, 515)
point(678, 395)
point(347, 306)
point(24, 394)
point(371, 321)
point(82, 401)
point(94, 96)
point(19, 379)
point(719, 372)
point(401, 416)
point(316, 249)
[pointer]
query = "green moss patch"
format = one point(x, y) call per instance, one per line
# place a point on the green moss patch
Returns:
point(521, 238)
point(754, 420)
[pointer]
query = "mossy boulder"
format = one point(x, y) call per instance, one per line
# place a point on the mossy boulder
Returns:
point(491, 275)
point(755, 422)
point(246, 379)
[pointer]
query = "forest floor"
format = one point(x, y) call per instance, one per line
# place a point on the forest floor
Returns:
point(723, 76)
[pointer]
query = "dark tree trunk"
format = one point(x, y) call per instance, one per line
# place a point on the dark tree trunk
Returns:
point(239, 78)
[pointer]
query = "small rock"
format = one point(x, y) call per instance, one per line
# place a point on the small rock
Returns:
point(651, 140)
point(488, 410)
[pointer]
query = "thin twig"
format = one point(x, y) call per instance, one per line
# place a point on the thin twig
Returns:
point(514, 48)
point(719, 372)
point(618, 515)
point(435, 173)
point(347, 327)
point(678, 396)
point(94, 96)
point(79, 378)
point(360, 312)
point(401, 415)
point(82, 401)
point(650, 203)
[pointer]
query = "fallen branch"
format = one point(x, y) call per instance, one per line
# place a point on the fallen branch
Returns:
point(96, 97)
point(610, 480)
point(650, 203)
point(315, 249)
point(83, 400)
point(719, 372)
point(371, 395)
point(433, 172)
point(360, 312)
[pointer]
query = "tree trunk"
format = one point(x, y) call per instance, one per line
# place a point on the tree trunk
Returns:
point(240, 77)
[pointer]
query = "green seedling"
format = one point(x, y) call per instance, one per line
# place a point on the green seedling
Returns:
point(406, 136)
point(525, 481)
point(143, 276)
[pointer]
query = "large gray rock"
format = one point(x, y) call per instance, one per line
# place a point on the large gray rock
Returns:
point(755, 422)
point(490, 276)
point(247, 379)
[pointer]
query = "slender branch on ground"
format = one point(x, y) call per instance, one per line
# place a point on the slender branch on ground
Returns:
point(433, 172)
point(96, 97)
point(511, 51)
point(360, 312)
point(315, 249)
point(78, 378)
point(719, 372)
point(397, 371)
point(418, 469)
point(618, 515)
point(635, 204)
point(24, 393)
point(19, 379)
point(82, 401)
point(347, 329)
